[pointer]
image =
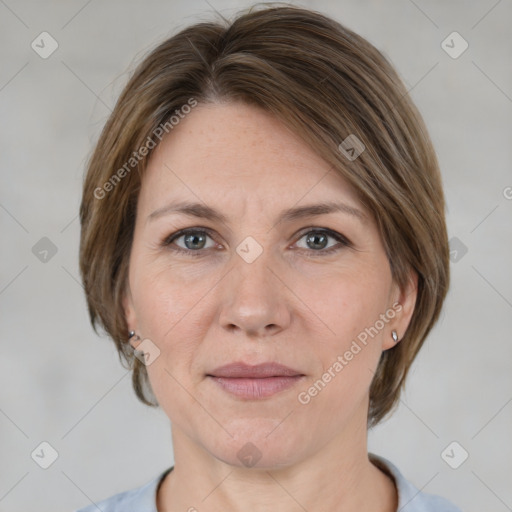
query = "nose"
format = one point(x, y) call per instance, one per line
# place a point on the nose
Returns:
point(254, 299)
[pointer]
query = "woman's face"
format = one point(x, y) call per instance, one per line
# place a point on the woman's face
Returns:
point(311, 291)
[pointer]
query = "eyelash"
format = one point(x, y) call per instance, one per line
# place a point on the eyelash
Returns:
point(167, 242)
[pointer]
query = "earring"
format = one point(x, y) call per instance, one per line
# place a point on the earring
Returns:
point(394, 335)
point(132, 334)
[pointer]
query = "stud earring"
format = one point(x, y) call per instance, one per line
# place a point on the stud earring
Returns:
point(132, 334)
point(394, 335)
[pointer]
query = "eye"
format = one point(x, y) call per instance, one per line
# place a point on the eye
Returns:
point(317, 239)
point(194, 241)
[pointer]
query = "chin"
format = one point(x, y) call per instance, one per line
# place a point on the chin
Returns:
point(262, 443)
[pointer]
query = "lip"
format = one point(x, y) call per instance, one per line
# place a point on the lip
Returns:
point(255, 381)
point(241, 370)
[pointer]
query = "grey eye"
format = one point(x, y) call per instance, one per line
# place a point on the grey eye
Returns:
point(318, 240)
point(194, 240)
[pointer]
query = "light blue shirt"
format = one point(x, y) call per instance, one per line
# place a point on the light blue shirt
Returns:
point(143, 499)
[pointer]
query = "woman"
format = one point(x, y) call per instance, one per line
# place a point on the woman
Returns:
point(263, 237)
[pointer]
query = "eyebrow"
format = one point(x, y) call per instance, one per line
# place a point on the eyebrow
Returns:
point(203, 211)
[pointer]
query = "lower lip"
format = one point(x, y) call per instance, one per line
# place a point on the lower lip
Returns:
point(256, 388)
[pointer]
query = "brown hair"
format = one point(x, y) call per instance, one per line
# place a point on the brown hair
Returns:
point(326, 83)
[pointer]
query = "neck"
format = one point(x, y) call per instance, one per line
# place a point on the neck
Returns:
point(337, 477)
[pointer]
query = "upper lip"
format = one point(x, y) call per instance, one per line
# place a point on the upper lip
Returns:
point(242, 370)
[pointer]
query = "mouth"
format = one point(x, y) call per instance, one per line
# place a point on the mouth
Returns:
point(254, 382)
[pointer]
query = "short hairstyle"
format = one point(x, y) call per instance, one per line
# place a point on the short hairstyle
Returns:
point(326, 83)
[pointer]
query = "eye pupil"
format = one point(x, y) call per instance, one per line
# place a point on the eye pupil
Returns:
point(314, 239)
point(192, 239)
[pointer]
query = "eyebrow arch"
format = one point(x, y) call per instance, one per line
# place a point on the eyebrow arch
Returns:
point(203, 211)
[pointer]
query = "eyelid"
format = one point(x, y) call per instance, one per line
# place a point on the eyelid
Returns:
point(340, 238)
point(185, 231)
point(330, 232)
point(343, 241)
point(167, 242)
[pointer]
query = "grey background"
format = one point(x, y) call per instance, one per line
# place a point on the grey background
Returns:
point(64, 385)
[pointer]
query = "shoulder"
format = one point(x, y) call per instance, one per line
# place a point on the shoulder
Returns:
point(411, 499)
point(140, 499)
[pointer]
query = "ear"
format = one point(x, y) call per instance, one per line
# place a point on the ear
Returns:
point(129, 314)
point(403, 303)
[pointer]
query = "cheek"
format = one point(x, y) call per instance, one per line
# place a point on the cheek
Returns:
point(164, 301)
point(345, 301)
point(349, 308)
point(167, 313)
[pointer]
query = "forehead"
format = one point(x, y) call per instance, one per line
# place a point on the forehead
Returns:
point(233, 152)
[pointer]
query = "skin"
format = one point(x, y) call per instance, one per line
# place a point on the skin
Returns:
point(293, 304)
